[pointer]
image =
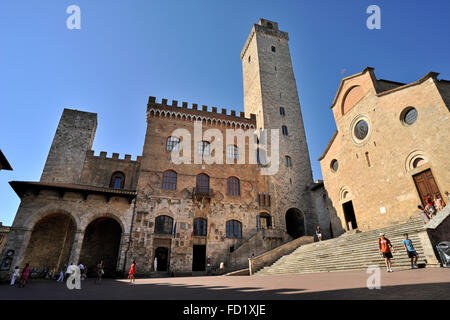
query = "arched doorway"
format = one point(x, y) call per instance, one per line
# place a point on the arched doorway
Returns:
point(101, 243)
point(295, 223)
point(162, 254)
point(50, 242)
point(264, 221)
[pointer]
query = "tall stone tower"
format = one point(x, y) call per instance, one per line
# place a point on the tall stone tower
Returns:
point(270, 92)
point(73, 138)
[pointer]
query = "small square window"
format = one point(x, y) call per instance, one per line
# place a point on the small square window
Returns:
point(274, 49)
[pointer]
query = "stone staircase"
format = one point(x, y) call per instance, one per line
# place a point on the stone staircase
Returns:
point(350, 252)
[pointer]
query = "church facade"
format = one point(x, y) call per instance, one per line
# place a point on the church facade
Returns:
point(389, 152)
point(207, 182)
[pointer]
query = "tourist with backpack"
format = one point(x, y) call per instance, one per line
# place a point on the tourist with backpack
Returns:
point(385, 248)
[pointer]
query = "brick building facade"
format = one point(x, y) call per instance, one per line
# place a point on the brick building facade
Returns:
point(190, 215)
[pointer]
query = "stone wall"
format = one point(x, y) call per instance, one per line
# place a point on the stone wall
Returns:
point(73, 138)
point(97, 170)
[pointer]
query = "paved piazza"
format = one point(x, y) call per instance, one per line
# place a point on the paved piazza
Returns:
point(408, 284)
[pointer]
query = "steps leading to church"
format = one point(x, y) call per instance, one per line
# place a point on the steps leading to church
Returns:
point(350, 252)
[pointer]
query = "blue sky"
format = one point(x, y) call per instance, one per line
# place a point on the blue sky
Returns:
point(188, 51)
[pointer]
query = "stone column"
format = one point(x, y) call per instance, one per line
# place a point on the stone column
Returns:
point(122, 251)
point(76, 247)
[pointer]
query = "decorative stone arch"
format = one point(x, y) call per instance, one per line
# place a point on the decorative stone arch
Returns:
point(31, 221)
point(53, 230)
point(103, 241)
point(351, 97)
point(414, 160)
point(92, 218)
point(345, 194)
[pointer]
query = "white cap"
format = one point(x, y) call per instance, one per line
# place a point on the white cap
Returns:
point(382, 234)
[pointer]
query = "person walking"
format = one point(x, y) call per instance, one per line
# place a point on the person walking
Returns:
point(15, 275)
point(61, 275)
point(81, 267)
point(385, 249)
point(318, 233)
point(100, 272)
point(25, 275)
point(409, 248)
point(132, 273)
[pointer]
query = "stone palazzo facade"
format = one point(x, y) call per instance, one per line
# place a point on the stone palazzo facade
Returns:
point(187, 216)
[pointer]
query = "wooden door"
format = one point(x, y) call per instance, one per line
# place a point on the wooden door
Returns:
point(426, 184)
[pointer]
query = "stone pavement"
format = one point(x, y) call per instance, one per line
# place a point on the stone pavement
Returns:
point(432, 283)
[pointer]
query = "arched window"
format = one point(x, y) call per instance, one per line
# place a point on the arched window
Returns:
point(169, 180)
point(200, 225)
point(172, 144)
point(163, 225)
point(282, 111)
point(234, 188)
point(234, 229)
point(204, 148)
point(117, 180)
point(232, 152)
point(284, 130)
point(288, 161)
point(202, 184)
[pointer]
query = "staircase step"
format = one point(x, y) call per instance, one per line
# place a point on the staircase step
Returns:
point(349, 252)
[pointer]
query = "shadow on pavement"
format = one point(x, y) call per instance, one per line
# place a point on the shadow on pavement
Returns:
point(114, 289)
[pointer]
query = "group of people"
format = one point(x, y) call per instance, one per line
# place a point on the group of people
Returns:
point(433, 206)
point(385, 248)
point(21, 277)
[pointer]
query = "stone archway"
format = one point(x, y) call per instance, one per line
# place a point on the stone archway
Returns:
point(50, 242)
point(295, 223)
point(101, 243)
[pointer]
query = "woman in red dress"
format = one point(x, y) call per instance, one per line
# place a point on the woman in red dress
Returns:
point(24, 276)
point(132, 273)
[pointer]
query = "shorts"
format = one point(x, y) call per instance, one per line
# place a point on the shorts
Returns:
point(387, 255)
point(412, 254)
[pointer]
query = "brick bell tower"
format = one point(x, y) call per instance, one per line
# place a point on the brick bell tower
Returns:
point(270, 92)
